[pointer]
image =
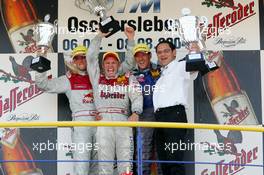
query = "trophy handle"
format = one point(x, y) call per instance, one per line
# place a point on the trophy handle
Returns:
point(204, 22)
point(173, 24)
point(55, 24)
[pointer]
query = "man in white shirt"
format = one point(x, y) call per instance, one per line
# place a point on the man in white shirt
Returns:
point(170, 101)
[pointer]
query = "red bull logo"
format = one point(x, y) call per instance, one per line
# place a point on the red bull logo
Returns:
point(88, 98)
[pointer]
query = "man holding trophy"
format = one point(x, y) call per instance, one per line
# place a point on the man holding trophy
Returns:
point(107, 24)
point(191, 31)
point(176, 76)
point(77, 87)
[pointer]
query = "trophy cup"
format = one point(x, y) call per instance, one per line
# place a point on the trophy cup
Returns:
point(99, 7)
point(190, 31)
point(44, 33)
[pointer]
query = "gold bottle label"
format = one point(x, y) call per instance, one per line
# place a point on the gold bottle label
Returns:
point(235, 109)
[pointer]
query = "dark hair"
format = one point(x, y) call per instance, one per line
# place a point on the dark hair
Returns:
point(171, 45)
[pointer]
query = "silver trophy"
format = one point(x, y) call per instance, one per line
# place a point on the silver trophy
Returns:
point(44, 33)
point(99, 7)
point(191, 32)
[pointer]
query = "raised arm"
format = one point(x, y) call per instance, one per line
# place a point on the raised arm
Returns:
point(54, 85)
point(129, 63)
point(93, 68)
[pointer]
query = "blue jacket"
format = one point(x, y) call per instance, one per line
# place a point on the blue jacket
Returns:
point(147, 79)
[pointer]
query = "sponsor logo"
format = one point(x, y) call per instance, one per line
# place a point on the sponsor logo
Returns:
point(23, 117)
point(9, 136)
point(18, 96)
point(220, 3)
point(223, 22)
point(228, 143)
point(234, 114)
point(21, 71)
point(145, 6)
point(88, 98)
point(229, 42)
point(241, 158)
point(234, 166)
point(28, 41)
point(115, 95)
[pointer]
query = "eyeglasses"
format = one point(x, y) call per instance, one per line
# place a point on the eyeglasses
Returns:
point(163, 51)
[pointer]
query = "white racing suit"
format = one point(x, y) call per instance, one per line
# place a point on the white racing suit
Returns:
point(112, 101)
point(78, 89)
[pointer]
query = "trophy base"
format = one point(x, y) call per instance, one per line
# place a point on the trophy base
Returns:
point(109, 25)
point(209, 66)
point(195, 62)
point(40, 64)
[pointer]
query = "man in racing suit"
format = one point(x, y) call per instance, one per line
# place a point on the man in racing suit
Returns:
point(113, 94)
point(77, 87)
point(147, 74)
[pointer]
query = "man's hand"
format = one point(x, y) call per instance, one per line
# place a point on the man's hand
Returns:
point(103, 35)
point(129, 32)
point(98, 117)
point(133, 118)
point(194, 47)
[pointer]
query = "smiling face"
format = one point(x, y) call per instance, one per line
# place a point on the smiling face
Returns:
point(165, 54)
point(80, 62)
point(143, 60)
point(110, 66)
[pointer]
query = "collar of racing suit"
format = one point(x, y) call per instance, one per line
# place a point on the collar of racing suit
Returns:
point(72, 68)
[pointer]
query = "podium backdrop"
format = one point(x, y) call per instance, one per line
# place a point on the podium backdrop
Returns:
point(234, 26)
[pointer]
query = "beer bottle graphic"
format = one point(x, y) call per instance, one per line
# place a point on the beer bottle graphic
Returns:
point(19, 17)
point(14, 149)
point(229, 102)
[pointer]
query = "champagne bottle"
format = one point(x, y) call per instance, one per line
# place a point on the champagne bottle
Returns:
point(19, 17)
point(230, 103)
point(14, 149)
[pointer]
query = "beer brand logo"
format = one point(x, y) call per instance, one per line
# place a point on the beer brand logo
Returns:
point(21, 71)
point(9, 137)
point(17, 95)
point(229, 42)
point(241, 159)
point(234, 114)
point(24, 117)
point(28, 42)
point(223, 22)
point(220, 3)
point(228, 143)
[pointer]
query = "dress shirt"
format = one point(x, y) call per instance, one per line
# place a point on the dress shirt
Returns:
point(173, 85)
